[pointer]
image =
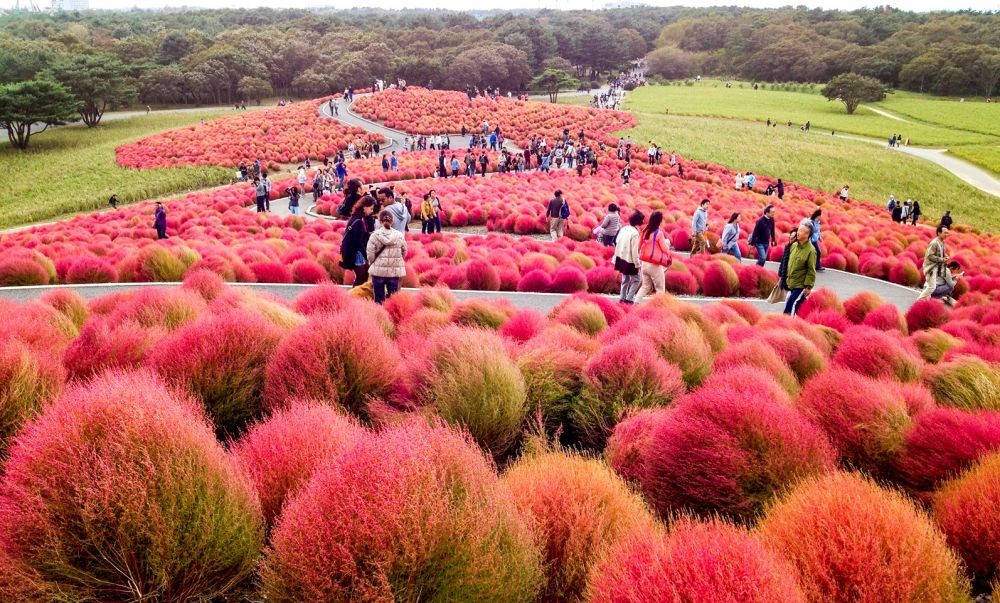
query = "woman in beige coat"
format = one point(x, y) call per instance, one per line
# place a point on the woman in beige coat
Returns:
point(387, 257)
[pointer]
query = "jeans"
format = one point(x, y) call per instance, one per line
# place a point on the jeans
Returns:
point(761, 254)
point(383, 287)
point(795, 299)
point(437, 223)
point(609, 240)
point(161, 232)
point(260, 204)
point(294, 209)
point(734, 250)
point(818, 254)
point(630, 286)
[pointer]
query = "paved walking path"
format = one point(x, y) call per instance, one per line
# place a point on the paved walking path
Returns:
point(963, 170)
point(885, 113)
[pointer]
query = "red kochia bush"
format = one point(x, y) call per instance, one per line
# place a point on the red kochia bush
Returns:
point(628, 444)
point(729, 452)
point(851, 541)
point(120, 491)
point(858, 306)
point(104, 345)
point(482, 276)
point(579, 508)
point(761, 356)
point(702, 562)
point(337, 359)
point(221, 361)
point(927, 314)
point(28, 380)
point(864, 418)
point(89, 269)
point(281, 453)
point(414, 514)
point(523, 325)
point(878, 354)
point(967, 509)
point(942, 442)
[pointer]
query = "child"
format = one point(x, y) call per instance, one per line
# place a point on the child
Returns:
point(626, 173)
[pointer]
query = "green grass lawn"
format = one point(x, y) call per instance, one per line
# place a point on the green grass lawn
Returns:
point(73, 169)
point(821, 162)
point(711, 98)
point(973, 115)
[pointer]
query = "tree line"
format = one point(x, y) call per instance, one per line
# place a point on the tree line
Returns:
point(943, 53)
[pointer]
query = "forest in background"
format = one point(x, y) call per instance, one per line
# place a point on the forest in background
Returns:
point(224, 56)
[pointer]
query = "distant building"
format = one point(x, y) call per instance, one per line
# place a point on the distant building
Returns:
point(70, 4)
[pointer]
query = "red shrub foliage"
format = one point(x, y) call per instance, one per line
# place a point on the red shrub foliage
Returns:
point(943, 442)
point(821, 299)
point(858, 306)
point(729, 452)
point(965, 508)
point(90, 270)
point(536, 281)
point(309, 272)
point(567, 279)
point(711, 561)
point(578, 508)
point(104, 345)
point(762, 356)
point(119, 491)
point(482, 276)
point(281, 453)
point(336, 359)
point(720, 280)
point(29, 379)
point(205, 283)
point(864, 418)
point(627, 447)
point(221, 360)
point(435, 522)
point(927, 314)
point(523, 325)
point(831, 528)
point(878, 354)
point(886, 317)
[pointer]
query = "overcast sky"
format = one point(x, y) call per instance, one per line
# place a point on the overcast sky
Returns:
point(914, 5)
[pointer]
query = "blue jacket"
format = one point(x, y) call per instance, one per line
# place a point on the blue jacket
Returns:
point(699, 223)
point(815, 237)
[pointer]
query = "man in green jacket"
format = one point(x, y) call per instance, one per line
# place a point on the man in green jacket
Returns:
point(801, 269)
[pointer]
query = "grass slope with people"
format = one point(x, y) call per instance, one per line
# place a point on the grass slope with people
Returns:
point(73, 169)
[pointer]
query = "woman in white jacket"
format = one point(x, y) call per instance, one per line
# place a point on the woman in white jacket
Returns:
point(627, 257)
point(387, 256)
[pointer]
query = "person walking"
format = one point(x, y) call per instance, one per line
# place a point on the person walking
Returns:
point(427, 214)
point(699, 224)
point(946, 219)
point(731, 237)
point(260, 192)
point(293, 200)
point(627, 257)
point(781, 189)
point(816, 236)
point(935, 259)
point(557, 211)
point(654, 255)
point(160, 221)
point(610, 226)
point(801, 268)
point(915, 213)
point(301, 177)
point(387, 250)
point(354, 245)
point(762, 237)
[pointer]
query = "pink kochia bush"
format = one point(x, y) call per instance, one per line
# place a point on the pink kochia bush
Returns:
point(701, 562)
point(29, 379)
point(967, 509)
point(729, 452)
point(221, 360)
point(878, 354)
point(334, 358)
point(119, 491)
point(416, 513)
point(579, 508)
point(851, 541)
point(280, 453)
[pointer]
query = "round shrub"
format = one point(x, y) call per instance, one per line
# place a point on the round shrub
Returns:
point(434, 525)
point(467, 378)
point(280, 453)
point(905, 272)
point(28, 380)
point(864, 418)
point(22, 272)
point(728, 452)
point(617, 379)
point(711, 561)
point(523, 325)
point(337, 359)
point(680, 283)
point(205, 283)
point(482, 276)
point(878, 354)
point(761, 356)
point(746, 380)
point(309, 272)
point(537, 281)
point(120, 491)
point(221, 361)
point(933, 344)
point(675, 340)
point(324, 298)
point(859, 305)
point(567, 279)
point(886, 318)
point(820, 300)
point(927, 314)
point(966, 382)
point(965, 509)
point(89, 269)
point(481, 313)
point(578, 509)
point(156, 264)
point(584, 316)
point(942, 442)
point(552, 380)
point(800, 354)
point(155, 307)
point(627, 447)
point(720, 280)
point(271, 272)
point(603, 280)
point(833, 527)
point(103, 345)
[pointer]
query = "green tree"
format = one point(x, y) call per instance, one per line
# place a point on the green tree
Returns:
point(552, 81)
point(853, 89)
point(24, 105)
point(670, 63)
point(99, 81)
point(173, 47)
point(254, 87)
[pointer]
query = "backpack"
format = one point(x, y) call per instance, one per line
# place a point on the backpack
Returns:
point(564, 210)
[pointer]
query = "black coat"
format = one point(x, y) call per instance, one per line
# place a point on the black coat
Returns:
point(763, 232)
point(356, 235)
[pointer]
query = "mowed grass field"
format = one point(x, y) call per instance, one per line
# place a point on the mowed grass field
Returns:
point(969, 130)
point(821, 162)
point(72, 169)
